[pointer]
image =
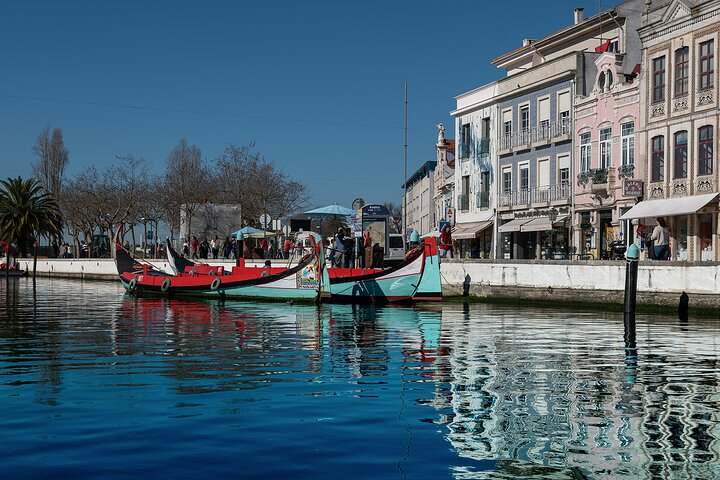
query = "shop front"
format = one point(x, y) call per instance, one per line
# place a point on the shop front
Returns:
point(536, 234)
point(474, 239)
point(692, 222)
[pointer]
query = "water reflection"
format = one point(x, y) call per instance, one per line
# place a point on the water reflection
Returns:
point(513, 392)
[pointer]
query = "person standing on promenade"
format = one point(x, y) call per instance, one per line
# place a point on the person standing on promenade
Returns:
point(446, 246)
point(194, 244)
point(661, 240)
point(215, 246)
point(287, 246)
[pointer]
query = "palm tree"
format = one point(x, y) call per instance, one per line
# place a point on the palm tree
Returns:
point(27, 212)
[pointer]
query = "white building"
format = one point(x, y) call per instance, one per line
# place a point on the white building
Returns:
point(419, 199)
point(475, 118)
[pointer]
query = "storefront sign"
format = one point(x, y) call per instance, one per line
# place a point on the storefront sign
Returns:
point(632, 187)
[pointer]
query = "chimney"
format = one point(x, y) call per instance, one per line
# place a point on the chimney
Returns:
point(526, 42)
point(578, 15)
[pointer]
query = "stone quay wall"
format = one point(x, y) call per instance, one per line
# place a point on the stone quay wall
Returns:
point(597, 282)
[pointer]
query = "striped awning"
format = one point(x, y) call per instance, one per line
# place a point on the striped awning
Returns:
point(513, 225)
point(668, 207)
point(541, 224)
point(464, 231)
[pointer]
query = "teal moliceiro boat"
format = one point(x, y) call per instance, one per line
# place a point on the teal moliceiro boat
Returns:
point(416, 278)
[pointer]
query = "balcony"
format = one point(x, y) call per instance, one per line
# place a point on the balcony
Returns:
point(626, 171)
point(536, 195)
point(594, 175)
point(463, 202)
point(483, 200)
point(542, 134)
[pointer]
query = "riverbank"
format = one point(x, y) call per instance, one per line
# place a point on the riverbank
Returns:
point(660, 284)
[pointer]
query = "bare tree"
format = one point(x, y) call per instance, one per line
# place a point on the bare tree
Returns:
point(52, 159)
point(395, 219)
point(187, 182)
point(246, 178)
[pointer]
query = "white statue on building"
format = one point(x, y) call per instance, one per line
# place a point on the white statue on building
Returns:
point(441, 134)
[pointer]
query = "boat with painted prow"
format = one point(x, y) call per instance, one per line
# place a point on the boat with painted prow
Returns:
point(308, 280)
point(416, 278)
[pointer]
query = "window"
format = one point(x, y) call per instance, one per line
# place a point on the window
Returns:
point(627, 143)
point(507, 122)
point(585, 152)
point(706, 68)
point(680, 154)
point(525, 118)
point(524, 177)
point(563, 166)
point(705, 150)
point(605, 147)
point(657, 167)
point(681, 71)
point(544, 116)
point(465, 141)
point(614, 46)
point(658, 84)
point(507, 180)
point(564, 111)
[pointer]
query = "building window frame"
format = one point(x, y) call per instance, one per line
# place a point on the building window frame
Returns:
point(705, 150)
point(605, 147)
point(657, 156)
point(507, 180)
point(585, 151)
point(680, 154)
point(658, 79)
point(524, 176)
point(682, 70)
point(627, 143)
point(706, 64)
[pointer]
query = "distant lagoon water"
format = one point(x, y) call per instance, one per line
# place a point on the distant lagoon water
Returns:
point(96, 384)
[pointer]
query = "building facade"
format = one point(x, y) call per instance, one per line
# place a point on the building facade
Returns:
point(475, 120)
point(444, 198)
point(679, 98)
point(608, 179)
point(419, 199)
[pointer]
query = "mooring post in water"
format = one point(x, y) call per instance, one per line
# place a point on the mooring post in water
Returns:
point(239, 247)
point(683, 307)
point(631, 272)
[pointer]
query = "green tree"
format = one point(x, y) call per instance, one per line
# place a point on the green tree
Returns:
point(27, 212)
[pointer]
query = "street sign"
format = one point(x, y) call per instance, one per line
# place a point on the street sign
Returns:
point(277, 224)
point(150, 235)
point(286, 230)
point(265, 220)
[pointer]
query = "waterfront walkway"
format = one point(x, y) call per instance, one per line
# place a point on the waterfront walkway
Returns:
point(597, 282)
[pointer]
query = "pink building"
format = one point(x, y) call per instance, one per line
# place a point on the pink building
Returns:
point(608, 172)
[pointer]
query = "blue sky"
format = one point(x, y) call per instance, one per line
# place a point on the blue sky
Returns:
point(317, 85)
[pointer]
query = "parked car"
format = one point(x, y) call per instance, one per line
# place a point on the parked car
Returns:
point(396, 249)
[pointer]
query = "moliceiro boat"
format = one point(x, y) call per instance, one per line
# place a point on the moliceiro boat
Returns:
point(417, 278)
point(307, 281)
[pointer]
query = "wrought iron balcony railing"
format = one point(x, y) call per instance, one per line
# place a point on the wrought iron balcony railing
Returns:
point(483, 200)
point(463, 202)
point(543, 132)
point(550, 193)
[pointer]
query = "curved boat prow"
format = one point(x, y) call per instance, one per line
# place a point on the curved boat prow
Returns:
point(430, 288)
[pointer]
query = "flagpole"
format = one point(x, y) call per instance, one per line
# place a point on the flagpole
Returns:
point(405, 171)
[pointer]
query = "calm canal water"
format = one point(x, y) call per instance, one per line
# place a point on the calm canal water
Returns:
point(94, 384)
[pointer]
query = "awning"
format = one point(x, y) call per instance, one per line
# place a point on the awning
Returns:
point(541, 224)
point(513, 225)
point(463, 231)
point(668, 207)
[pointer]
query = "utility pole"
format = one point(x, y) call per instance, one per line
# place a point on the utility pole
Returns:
point(405, 171)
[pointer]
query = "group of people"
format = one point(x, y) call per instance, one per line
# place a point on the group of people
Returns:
point(230, 248)
point(657, 242)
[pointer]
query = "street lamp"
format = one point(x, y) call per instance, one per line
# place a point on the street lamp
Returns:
point(552, 214)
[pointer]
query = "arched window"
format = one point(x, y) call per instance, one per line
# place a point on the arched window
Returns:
point(680, 154)
point(657, 166)
point(705, 150)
